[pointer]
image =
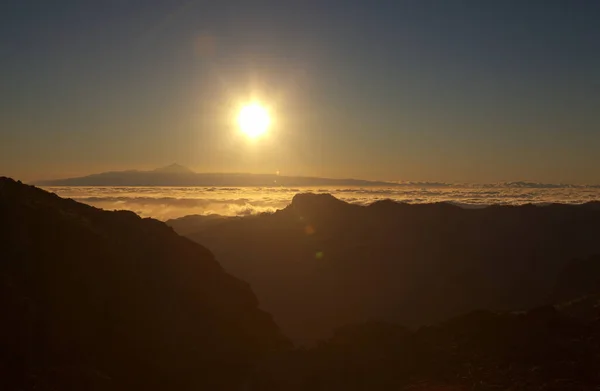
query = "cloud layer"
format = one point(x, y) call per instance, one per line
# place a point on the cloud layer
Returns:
point(172, 202)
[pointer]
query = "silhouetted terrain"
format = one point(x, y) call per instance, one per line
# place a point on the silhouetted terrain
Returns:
point(552, 347)
point(579, 277)
point(97, 300)
point(193, 223)
point(177, 175)
point(543, 349)
point(321, 263)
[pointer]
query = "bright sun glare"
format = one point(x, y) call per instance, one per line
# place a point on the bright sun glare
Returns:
point(253, 120)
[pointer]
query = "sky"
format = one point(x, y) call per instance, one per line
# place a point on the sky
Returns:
point(413, 90)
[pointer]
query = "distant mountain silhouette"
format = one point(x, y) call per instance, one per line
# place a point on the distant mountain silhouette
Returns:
point(97, 300)
point(321, 262)
point(177, 175)
point(174, 168)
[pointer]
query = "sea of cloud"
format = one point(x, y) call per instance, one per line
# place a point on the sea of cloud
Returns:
point(171, 202)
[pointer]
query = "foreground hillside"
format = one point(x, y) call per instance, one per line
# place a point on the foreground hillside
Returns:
point(542, 349)
point(321, 263)
point(106, 300)
point(96, 300)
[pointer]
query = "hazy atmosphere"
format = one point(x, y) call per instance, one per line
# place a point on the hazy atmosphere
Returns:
point(300, 195)
point(476, 91)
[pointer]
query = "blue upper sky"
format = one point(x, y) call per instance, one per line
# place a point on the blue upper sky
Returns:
point(472, 90)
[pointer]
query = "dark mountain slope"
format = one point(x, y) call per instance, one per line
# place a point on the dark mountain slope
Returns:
point(321, 262)
point(580, 277)
point(107, 300)
point(542, 349)
point(193, 223)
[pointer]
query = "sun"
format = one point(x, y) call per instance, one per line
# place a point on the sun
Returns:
point(254, 120)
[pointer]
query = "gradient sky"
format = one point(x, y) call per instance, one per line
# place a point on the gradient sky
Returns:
point(421, 90)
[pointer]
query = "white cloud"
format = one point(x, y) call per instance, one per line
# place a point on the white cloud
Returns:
point(171, 202)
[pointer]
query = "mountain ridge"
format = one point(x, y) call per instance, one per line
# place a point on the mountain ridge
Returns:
point(174, 168)
point(177, 175)
point(110, 300)
point(396, 262)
